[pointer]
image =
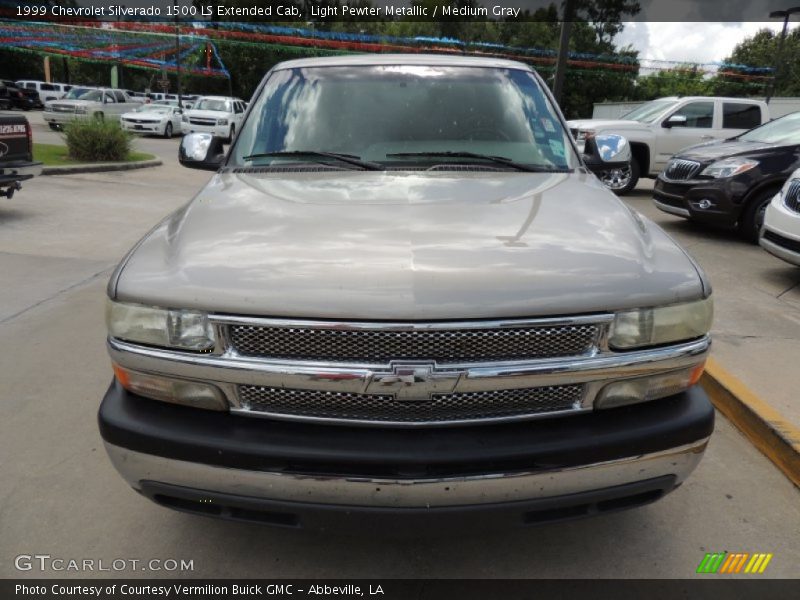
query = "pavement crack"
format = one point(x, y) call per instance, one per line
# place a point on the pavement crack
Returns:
point(77, 284)
point(789, 289)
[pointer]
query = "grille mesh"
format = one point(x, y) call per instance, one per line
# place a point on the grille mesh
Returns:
point(444, 345)
point(679, 169)
point(463, 406)
point(792, 198)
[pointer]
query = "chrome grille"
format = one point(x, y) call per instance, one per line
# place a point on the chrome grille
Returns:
point(453, 407)
point(679, 169)
point(792, 197)
point(443, 345)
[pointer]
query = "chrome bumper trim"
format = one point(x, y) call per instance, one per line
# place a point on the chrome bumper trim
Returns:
point(673, 210)
point(136, 467)
point(230, 369)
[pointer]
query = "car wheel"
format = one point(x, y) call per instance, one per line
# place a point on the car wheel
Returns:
point(53, 126)
point(168, 131)
point(753, 215)
point(621, 181)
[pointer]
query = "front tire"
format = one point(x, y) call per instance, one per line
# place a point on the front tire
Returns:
point(621, 181)
point(168, 131)
point(753, 215)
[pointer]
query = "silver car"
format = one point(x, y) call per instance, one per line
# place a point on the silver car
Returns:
point(405, 300)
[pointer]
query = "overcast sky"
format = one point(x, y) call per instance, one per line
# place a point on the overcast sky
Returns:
point(691, 42)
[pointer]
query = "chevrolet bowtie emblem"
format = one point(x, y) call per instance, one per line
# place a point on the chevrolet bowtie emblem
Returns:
point(411, 382)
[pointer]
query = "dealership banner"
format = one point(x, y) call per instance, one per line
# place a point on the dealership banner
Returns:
point(301, 12)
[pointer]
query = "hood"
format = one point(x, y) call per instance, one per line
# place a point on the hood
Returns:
point(722, 149)
point(404, 245)
point(605, 124)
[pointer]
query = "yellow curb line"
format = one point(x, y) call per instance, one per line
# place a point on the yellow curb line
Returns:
point(765, 427)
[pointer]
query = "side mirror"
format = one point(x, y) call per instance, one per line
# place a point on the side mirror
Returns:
point(675, 121)
point(201, 151)
point(607, 151)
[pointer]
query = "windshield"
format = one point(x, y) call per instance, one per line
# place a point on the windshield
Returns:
point(374, 112)
point(162, 110)
point(92, 95)
point(785, 130)
point(75, 93)
point(649, 111)
point(211, 104)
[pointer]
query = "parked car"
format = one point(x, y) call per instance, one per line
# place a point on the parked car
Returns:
point(100, 103)
point(153, 119)
point(660, 129)
point(18, 97)
point(731, 182)
point(16, 154)
point(402, 297)
point(781, 232)
point(45, 90)
point(218, 115)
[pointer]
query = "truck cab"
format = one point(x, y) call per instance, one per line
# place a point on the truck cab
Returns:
point(659, 129)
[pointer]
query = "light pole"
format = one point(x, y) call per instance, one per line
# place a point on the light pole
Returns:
point(780, 14)
point(178, 53)
point(563, 49)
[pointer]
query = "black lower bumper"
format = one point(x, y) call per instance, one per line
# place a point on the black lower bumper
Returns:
point(225, 440)
point(716, 202)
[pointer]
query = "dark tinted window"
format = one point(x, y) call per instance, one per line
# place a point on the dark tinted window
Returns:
point(698, 114)
point(740, 116)
point(119, 96)
point(47, 87)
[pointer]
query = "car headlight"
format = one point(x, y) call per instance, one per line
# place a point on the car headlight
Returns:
point(169, 328)
point(661, 325)
point(728, 167)
point(222, 121)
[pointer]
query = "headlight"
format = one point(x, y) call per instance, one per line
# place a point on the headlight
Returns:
point(728, 167)
point(661, 325)
point(222, 121)
point(182, 329)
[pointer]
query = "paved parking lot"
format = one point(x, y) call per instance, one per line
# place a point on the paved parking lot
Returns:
point(59, 240)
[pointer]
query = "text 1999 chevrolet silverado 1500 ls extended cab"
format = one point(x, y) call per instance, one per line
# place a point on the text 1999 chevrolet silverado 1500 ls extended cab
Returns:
point(404, 299)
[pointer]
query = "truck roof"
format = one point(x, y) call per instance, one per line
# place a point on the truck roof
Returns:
point(754, 100)
point(403, 59)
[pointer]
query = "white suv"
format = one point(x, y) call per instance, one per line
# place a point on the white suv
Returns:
point(218, 115)
point(47, 91)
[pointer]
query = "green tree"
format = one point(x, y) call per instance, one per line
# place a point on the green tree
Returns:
point(761, 50)
point(682, 80)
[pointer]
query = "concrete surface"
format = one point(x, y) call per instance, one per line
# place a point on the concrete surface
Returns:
point(59, 240)
point(756, 303)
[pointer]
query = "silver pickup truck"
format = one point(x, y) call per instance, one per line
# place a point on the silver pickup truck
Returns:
point(404, 300)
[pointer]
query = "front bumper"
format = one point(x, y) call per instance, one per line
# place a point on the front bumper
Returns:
point(683, 199)
point(60, 118)
point(154, 127)
point(781, 233)
point(320, 476)
point(217, 130)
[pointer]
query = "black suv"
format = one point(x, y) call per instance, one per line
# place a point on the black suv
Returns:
point(730, 182)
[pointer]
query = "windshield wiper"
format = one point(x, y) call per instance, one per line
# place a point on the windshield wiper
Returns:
point(351, 159)
point(488, 157)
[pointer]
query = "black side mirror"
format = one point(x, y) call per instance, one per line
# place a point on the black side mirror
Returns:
point(201, 151)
